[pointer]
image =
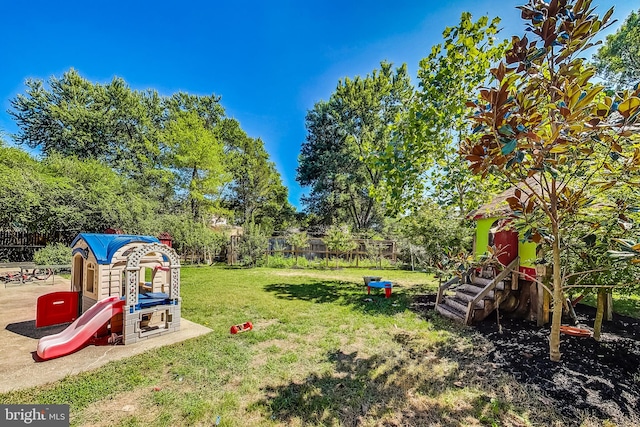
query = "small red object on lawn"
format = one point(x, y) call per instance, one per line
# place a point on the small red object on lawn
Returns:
point(243, 327)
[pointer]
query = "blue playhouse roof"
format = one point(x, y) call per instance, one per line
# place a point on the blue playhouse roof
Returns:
point(104, 246)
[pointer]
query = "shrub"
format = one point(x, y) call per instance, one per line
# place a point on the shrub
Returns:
point(278, 261)
point(339, 239)
point(56, 254)
point(253, 245)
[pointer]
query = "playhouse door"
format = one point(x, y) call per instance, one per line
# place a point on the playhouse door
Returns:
point(506, 243)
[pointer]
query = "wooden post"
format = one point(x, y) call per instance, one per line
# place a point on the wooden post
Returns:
point(608, 307)
point(543, 274)
point(393, 251)
point(546, 306)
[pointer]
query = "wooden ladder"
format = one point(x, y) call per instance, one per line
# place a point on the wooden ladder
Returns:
point(475, 297)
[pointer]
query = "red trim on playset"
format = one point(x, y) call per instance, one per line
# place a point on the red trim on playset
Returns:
point(528, 273)
point(56, 308)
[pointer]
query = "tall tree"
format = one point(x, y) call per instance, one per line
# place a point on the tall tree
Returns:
point(552, 132)
point(345, 137)
point(108, 122)
point(618, 60)
point(423, 156)
point(19, 196)
point(255, 193)
point(197, 155)
point(207, 107)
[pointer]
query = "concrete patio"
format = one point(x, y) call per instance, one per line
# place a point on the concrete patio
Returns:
point(19, 338)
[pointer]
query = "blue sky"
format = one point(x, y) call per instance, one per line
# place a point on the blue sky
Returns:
point(269, 61)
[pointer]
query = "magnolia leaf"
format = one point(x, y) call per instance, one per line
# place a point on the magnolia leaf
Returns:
point(629, 107)
point(509, 147)
point(506, 130)
point(621, 254)
point(559, 149)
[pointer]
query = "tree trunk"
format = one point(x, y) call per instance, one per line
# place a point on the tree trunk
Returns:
point(597, 326)
point(194, 203)
point(558, 297)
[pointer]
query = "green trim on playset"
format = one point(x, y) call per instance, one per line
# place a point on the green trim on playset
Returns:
point(526, 250)
point(483, 226)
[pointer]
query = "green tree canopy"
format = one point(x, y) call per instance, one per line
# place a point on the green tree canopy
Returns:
point(345, 137)
point(172, 147)
point(256, 192)
point(423, 156)
point(618, 60)
point(197, 155)
point(108, 122)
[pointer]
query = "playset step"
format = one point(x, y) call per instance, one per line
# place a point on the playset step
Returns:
point(450, 312)
point(465, 297)
point(481, 282)
point(486, 294)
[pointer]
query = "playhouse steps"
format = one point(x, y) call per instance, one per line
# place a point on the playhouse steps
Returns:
point(455, 306)
point(449, 311)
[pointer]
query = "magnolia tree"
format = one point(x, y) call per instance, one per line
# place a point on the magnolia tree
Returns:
point(549, 129)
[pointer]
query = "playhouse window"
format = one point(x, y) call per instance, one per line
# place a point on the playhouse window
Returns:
point(91, 277)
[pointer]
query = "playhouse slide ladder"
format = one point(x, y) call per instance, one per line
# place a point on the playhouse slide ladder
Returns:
point(76, 335)
point(476, 298)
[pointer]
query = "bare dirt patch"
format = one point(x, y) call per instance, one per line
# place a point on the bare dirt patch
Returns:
point(113, 410)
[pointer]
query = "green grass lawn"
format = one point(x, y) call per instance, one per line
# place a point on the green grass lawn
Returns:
point(628, 305)
point(321, 353)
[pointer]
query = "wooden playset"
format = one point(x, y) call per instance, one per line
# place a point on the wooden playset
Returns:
point(122, 286)
point(509, 286)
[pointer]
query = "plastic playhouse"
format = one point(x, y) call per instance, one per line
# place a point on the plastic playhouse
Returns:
point(124, 288)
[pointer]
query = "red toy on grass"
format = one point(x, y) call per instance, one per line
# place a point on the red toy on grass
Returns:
point(243, 327)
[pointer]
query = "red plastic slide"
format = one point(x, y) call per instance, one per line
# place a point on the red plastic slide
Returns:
point(81, 330)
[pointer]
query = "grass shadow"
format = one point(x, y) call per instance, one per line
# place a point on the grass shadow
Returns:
point(344, 293)
point(411, 387)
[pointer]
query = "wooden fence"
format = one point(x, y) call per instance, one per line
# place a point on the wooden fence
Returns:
point(20, 245)
point(317, 249)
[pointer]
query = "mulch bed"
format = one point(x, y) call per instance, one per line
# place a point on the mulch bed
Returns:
point(594, 379)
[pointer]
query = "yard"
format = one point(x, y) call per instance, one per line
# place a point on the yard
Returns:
point(322, 352)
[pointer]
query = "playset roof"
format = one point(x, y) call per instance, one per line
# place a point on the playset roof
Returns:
point(498, 207)
point(104, 246)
